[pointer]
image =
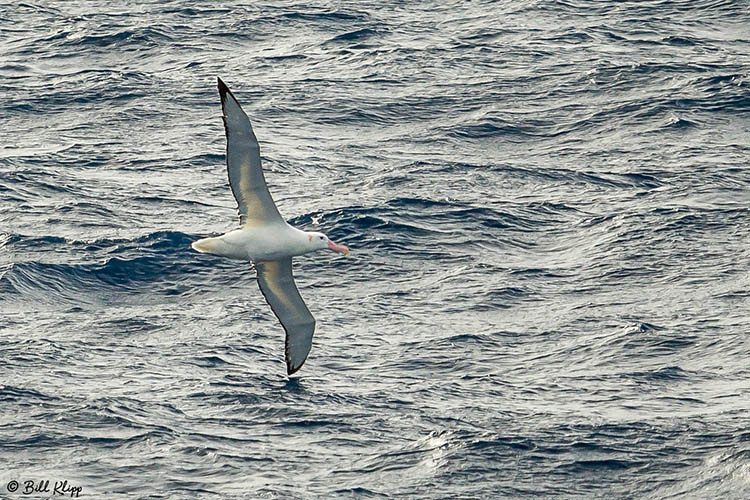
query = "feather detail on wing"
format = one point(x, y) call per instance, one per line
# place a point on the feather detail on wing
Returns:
point(276, 281)
point(246, 179)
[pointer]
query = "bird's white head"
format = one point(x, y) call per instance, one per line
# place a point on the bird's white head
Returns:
point(319, 241)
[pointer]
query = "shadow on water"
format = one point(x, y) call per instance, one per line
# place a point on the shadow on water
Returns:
point(294, 385)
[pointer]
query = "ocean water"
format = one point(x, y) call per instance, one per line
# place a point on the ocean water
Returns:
point(547, 204)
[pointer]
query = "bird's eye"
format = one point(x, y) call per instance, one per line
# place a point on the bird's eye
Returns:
point(320, 237)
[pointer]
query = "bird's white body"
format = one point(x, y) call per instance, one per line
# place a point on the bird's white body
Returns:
point(263, 243)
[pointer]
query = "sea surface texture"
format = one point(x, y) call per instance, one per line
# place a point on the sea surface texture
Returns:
point(547, 204)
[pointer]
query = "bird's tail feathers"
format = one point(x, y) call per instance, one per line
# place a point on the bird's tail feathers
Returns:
point(208, 245)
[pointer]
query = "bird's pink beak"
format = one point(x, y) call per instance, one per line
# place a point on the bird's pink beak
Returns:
point(338, 248)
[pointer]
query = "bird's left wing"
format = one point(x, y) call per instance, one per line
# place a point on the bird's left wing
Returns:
point(276, 281)
point(254, 202)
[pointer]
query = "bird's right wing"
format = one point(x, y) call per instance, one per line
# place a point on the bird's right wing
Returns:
point(254, 202)
point(276, 281)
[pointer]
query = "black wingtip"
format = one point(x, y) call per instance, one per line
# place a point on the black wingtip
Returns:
point(291, 369)
point(223, 89)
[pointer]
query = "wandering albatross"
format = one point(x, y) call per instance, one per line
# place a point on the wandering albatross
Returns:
point(264, 237)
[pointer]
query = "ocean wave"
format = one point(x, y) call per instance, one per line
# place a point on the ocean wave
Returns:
point(99, 267)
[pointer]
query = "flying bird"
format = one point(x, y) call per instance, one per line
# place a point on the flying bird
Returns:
point(264, 237)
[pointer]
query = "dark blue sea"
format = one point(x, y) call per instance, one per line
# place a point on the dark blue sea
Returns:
point(548, 206)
